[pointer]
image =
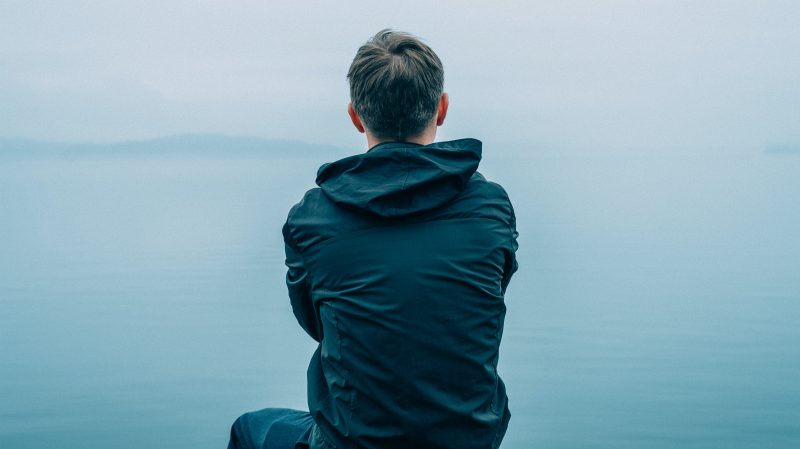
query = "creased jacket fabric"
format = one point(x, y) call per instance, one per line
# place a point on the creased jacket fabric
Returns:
point(397, 265)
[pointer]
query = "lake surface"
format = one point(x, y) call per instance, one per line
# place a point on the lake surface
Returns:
point(142, 299)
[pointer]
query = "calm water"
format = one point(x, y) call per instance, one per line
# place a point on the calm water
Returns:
point(142, 302)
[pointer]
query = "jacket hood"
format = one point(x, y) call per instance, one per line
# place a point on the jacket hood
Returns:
point(400, 178)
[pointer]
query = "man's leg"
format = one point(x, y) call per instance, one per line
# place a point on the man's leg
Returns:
point(270, 428)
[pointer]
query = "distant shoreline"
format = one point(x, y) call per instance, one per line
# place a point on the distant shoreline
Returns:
point(198, 145)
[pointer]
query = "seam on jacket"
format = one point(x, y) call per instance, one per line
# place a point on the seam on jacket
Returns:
point(512, 224)
point(346, 386)
point(310, 286)
point(512, 228)
point(288, 228)
point(289, 240)
point(501, 432)
point(405, 159)
point(322, 438)
point(496, 360)
point(369, 228)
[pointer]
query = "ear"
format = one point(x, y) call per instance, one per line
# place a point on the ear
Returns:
point(355, 118)
point(444, 103)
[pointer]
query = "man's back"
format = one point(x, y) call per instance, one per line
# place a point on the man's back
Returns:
point(397, 265)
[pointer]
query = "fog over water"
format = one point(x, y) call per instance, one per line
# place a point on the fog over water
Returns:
point(651, 150)
point(656, 304)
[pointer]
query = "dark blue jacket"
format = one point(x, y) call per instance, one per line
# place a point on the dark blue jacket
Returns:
point(398, 264)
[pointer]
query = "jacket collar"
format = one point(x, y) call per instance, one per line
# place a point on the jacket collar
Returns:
point(393, 144)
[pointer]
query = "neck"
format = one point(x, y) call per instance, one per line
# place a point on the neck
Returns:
point(425, 138)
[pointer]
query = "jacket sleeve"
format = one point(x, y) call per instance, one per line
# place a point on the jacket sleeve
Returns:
point(297, 281)
point(511, 264)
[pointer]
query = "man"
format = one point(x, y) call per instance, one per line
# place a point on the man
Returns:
point(397, 265)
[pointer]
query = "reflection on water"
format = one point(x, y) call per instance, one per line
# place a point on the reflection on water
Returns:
point(142, 301)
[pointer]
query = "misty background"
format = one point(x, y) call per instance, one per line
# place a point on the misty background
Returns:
point(150, 151)
point(622, 74)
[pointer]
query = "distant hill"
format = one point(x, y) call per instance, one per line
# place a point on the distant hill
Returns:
point(184, 145)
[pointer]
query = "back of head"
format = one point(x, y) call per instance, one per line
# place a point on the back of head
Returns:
point(396, 82)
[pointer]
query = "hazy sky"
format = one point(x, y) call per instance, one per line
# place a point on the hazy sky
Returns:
point(629, 74)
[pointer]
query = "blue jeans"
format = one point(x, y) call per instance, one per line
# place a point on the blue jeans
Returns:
point(271, 428)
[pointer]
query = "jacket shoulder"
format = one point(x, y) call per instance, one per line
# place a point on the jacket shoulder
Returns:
point(298, 213)
point(485, 198)
point(490, 186)
point(317, 218)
